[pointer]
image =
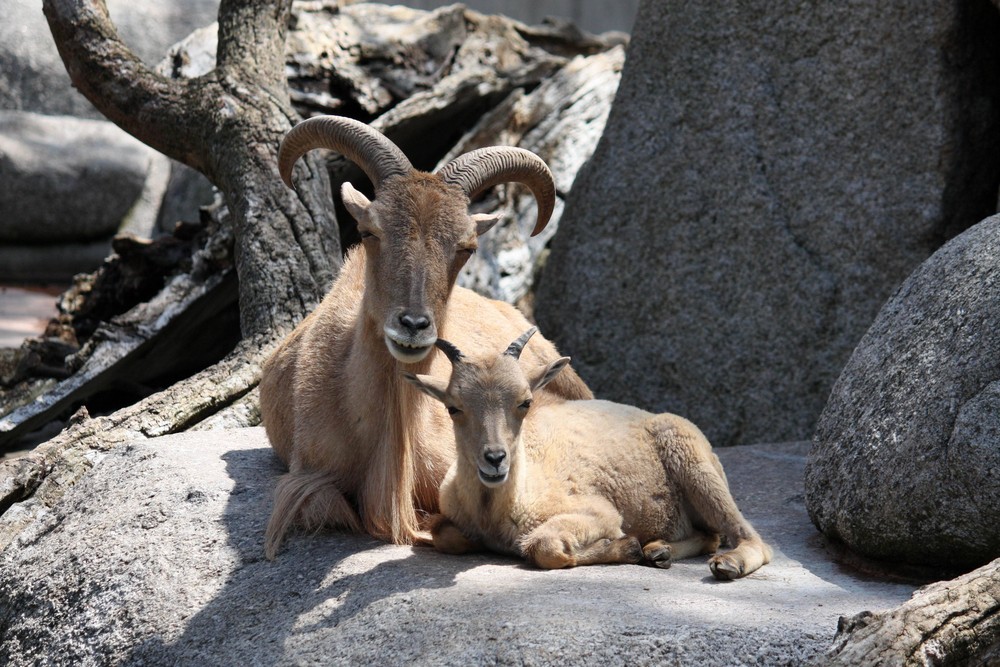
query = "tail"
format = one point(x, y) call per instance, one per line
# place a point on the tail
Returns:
point(310, 500)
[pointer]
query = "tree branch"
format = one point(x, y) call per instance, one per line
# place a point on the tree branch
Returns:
point(156, 110)
point(252, 38)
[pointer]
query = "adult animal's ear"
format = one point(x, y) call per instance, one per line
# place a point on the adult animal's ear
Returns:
point(359, 207)
point(430, 385)
point(545, 373)
point(485, 221)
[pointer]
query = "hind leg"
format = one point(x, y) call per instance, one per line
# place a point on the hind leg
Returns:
point(661, 553)
point(690, 462)
point(310, 500)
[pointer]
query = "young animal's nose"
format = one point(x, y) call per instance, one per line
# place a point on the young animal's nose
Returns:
point(495, 457)
point(414, 322)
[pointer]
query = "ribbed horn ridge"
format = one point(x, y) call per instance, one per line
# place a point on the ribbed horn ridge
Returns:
point(486, 167)
point(378, 157)
point(514, 349)
point(449, 350)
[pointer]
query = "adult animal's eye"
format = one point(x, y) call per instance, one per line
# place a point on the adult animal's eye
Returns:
point(466, 252)
point(368, 235)
point(452, 410)
point(525, 405)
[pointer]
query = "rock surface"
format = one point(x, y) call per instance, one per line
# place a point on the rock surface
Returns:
point(905, 463)
point(33, 77)
point(155, 557)
point(70, 184)
point(68, 179)
point(769, 174)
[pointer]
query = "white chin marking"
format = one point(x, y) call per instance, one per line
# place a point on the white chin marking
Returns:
point(405, 353)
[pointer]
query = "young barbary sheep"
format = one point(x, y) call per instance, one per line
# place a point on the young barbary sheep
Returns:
point(565, 483)
point(364, 449)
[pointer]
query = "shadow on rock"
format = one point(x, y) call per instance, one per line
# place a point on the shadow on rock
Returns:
point(317, 581)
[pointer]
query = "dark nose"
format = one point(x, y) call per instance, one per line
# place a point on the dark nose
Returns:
point(414, 322)
point(495, 457)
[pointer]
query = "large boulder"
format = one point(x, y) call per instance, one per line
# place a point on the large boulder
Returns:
point(769, 174)
point(32, 75)
point(65, 178)
point(156, 557)
point(905, 464)
point(70, 185)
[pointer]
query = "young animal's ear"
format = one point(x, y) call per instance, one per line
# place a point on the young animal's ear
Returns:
point(542, 375)
point(359, 207)
point(430, 385)
point(485, 221)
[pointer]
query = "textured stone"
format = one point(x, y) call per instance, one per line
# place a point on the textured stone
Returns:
point(68, 179)
point(155, 557)
point(905, 464)
point(769, 174)
point(33, 77)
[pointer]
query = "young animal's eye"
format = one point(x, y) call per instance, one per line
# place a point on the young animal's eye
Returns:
point(452, 410)
point(367, 235)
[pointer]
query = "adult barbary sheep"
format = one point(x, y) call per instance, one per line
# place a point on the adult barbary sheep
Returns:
point(364, 449)
point(566, 483)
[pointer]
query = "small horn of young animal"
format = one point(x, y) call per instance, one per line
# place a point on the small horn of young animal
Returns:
point(514, 349)
point(450, 351)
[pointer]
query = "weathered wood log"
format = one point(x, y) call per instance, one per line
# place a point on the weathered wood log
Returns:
point(954, 622)
point(561, 121)
point(136, 346)
point(152, 312)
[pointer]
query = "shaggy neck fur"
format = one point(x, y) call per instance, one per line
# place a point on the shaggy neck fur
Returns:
point(386, 497)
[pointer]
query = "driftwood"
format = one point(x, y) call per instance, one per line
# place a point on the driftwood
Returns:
point(426, 79)
point(953, 622)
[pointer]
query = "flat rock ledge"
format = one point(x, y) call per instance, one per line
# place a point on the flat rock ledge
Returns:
point(155, 557)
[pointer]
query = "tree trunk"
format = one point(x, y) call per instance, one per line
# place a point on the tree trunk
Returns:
point(953, 622)
point(226, 124)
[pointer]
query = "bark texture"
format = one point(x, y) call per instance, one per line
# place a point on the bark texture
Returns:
point(953, 622)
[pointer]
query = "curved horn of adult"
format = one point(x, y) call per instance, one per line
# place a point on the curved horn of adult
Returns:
point(486, 167)
point(378, 157)
point(515, 348)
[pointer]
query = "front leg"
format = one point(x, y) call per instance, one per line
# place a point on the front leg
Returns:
point(590, 536)
point(447, 537)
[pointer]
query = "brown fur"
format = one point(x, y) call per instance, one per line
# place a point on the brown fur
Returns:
point(364, 449)
point(588, 481)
